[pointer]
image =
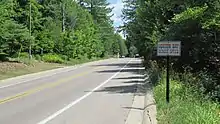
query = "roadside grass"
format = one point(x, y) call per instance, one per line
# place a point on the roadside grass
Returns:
point(187, 106)
point(81, 61)
point(12, 69)
point(24, 66)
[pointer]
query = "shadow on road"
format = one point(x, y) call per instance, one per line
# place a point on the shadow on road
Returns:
point(139, 108)
point(135, 86)
point(133, 67)
point(132, 70)
point(124, 78)
point(120, 65)
point(128, 84)
point(119, 89)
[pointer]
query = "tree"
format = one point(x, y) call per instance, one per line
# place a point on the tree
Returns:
point(72, 29)
point(195, 23)
point(101, 13)
point(13, 36)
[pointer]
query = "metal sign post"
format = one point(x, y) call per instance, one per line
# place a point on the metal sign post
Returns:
point(168, 48)
point(168, 80)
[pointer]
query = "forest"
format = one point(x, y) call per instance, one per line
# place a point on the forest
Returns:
point(58, 30)
point(194, 23)
point(62, 31)
point(196, 74)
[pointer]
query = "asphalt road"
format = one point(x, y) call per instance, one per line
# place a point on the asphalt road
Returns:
point(96, 93)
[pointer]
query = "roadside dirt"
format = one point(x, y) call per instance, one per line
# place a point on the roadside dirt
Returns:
point(10, 66)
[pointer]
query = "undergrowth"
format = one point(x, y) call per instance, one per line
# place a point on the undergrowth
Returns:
point(187, 105)
point(189, 101)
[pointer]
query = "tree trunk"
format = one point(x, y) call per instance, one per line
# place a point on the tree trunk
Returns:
point(63, 17)
point(30, 56)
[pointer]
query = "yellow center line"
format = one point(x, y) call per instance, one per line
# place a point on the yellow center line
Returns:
point(42, 87)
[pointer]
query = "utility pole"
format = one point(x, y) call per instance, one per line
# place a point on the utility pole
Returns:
point(63, 16)
point(30, 56)
point(91, 10)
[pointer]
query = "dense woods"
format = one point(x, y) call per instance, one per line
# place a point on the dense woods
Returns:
point(195, 23)
point(57, 30)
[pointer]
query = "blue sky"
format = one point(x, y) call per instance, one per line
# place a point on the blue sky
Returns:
point(113, 1)
point(118, 6)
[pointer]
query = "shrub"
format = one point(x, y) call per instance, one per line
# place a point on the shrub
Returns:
point(187, 105)
point(83, 57)
point(3, 57)
point(202, 82)
point(153, 70)
point(52, 58)
point(24, 55)
point(209, 85)
point(74, 61)
point(64, 57)
point(38, 57)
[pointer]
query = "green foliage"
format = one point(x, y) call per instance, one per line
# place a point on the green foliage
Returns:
point(190, 13)
point(122, 46)
point(187, 105)
point(12, 35)
point(194, 23)
point(202, 82)
point(3, 57)
point(52, 58)
point(38, 57)
point(65, 27)
point(132, 50)
point(153, 70)
point(23, 55)
point(101, 14)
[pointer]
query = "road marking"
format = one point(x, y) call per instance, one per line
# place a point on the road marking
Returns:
point(80, 99)
point(42, 87)
point(48, 75)
point(45, 76)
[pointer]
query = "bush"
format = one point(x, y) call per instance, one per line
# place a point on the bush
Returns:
point(74, 61)
point(24, 55)
point(3, 57)
point(37, 57)
point(209, 85)
point(153, 70)
point(52, 58)
point(187, 105)
point(202, 82)
point(83, 57)
point(64, 57)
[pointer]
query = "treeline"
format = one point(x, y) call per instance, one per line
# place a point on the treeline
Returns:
point(57, 29)
point(195, 23)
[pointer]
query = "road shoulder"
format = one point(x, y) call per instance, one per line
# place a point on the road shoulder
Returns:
point(136, 111)
point(150, 111)
point(143, 110)
point(43, 74)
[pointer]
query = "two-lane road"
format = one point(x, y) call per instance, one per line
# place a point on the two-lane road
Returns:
point(97, 93)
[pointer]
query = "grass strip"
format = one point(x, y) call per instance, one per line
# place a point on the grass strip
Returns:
point(186, 106)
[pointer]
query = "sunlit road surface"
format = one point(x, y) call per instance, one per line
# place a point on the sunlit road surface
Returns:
point(96, 93)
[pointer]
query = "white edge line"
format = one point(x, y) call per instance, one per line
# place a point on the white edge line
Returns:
point(45, 76)
point(65, 69)
point(79, 99)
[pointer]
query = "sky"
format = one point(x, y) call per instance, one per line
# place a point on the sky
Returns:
point(117, 11)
